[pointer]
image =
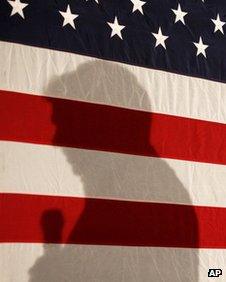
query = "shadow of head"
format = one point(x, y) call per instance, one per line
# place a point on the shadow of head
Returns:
point(100, 82)
point(110, 174)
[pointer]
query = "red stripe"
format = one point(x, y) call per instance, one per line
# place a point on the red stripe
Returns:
point(53, 121)
point(51, 219)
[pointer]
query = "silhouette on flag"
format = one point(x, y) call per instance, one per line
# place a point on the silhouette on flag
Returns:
point(112, 140)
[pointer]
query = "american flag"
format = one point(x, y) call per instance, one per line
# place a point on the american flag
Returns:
point(113, 140)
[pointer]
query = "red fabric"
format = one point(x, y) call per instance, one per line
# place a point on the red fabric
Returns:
point(33, 218)
point(28, 118)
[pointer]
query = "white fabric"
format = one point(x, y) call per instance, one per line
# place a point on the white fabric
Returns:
point(41, 169)
point(46, 72)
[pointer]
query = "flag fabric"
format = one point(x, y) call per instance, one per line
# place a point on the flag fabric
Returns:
point(112, 140)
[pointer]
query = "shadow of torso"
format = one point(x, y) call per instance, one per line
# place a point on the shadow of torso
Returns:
point(107, 175)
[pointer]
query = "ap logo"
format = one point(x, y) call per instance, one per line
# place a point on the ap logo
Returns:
point(214, 272)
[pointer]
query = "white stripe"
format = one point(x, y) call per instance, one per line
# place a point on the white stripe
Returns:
point(37, 262)
point(39, 169)
point(54, 73)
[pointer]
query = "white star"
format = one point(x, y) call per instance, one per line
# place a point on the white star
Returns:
point(179, 14)
point(95, 1)
point(116, 28)
point(201, 47)
point(160, 38)
point(68, 17)
point(138, 5)
point(218, 24)
point(17, 7)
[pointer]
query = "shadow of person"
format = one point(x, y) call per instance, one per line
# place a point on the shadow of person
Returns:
point(115, 240)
